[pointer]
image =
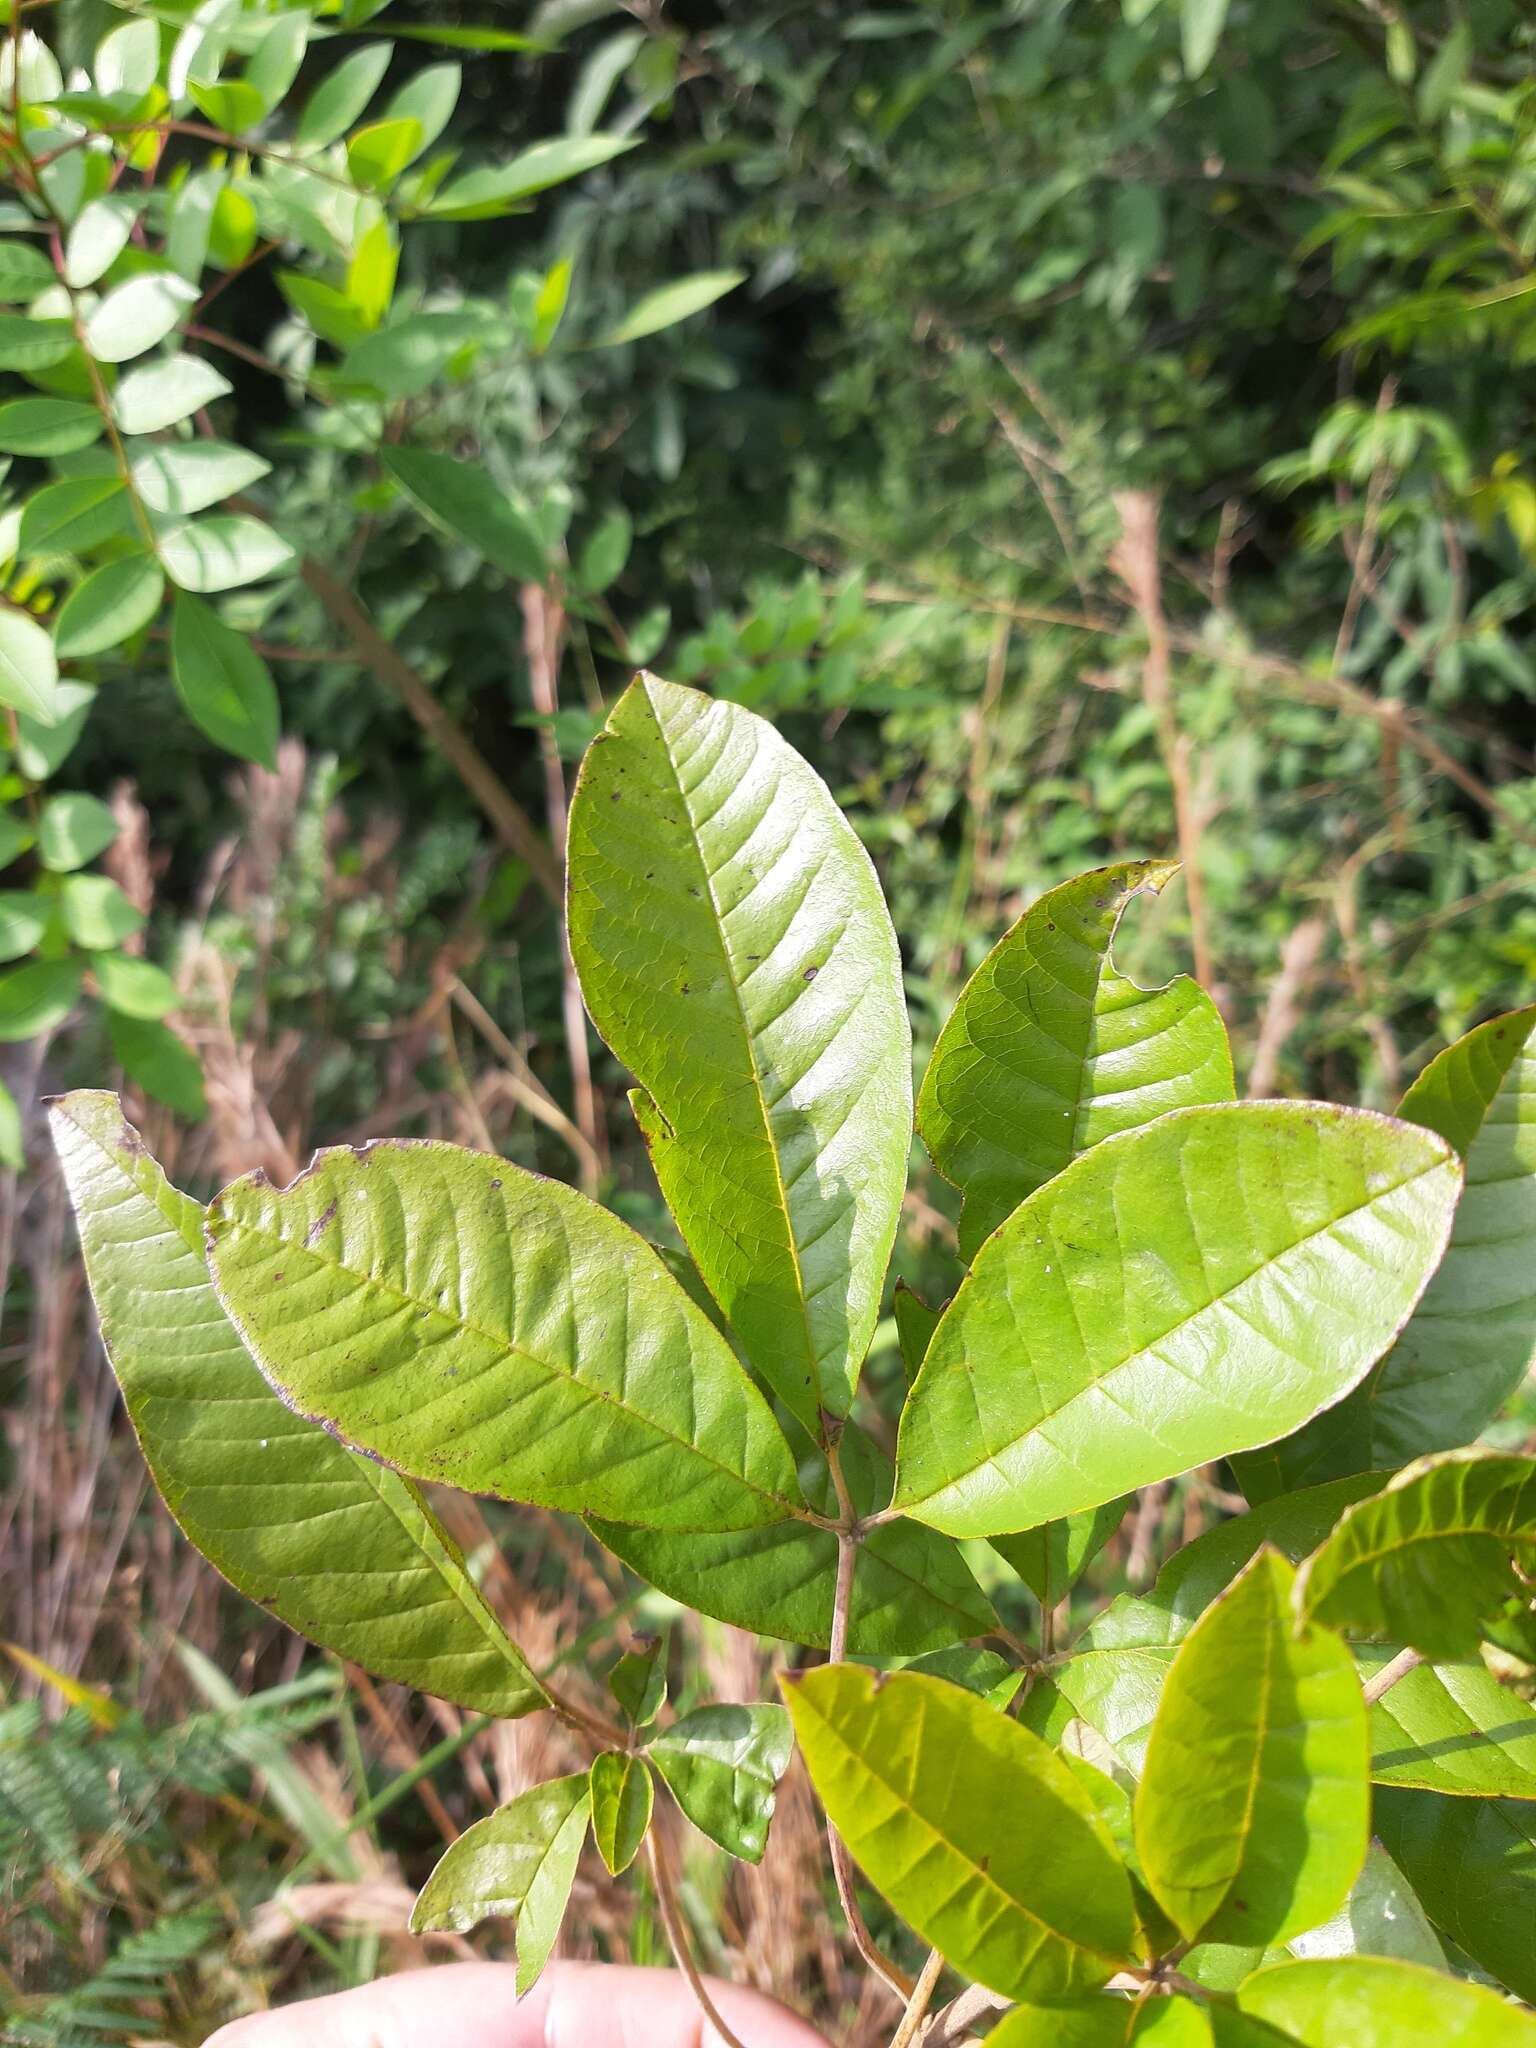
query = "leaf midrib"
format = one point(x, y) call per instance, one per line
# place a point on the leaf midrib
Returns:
point(504, 1343)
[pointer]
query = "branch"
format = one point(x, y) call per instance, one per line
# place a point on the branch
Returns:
point(677, 1941)
point(917, 2005)
point(512, 824)
point(1400, 1666)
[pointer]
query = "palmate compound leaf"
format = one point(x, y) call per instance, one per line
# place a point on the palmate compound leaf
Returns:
point(1049, 1049)
point(1472, 1338)
point(913, 1590)
point(735, 952)
point(340, 1549)
point(518, 1863)
point(1179, 1293)
point(1366, 2002)
point(1252, 1815)
point(723, 1764)
point(469, 1322)
point(1433, 1559)
point(977, 1833)
point(1472, 1863)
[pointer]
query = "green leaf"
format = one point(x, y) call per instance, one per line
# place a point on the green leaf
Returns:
point(549, 306)
point(24, 917)
point(133, 987)
point(74, 515)
point(1432, 1558)
point(735, 952)
point(234, 105)
point(1051, 1559)
point(1472, 1863)
point(13, 1151)
point(1100, 2022)
point(222, 553)
point(48, 426)
point(639, 1680)
point(945, 1805)
point(24, 273)
point(468, 38)
point(96, 912)
point(151, 1054)
point(108, 606)
point(287, 1515)
point(482, 194)
point(35, 998)
point(622, 1795)
point(1472, 1339)
point(1227, 1271)
point(28, 344)
point(97, 238)
point(1050, 1049)
point(275, 62)
point(462, 497)
point(428, 99)
point(377, 154)
point(41, 750)
point(723, 1764)
point(29, 669)
point(518, 1863)
point(162, 394)
point(135, 316)
point(1452, 1728)
point(180, 478)
point(223, 682)
point(548, 1354)
point(915, 1324)
point(602, 559)
point(670, 303)
point(73, 829)
point(128, 58)
point(982, 1672)
point(402, 361)
point(191, 224)
point(1362, 2002)
point(339, 99)
point(1381, 1917)
point(1201, 23)
point(1253, 1811)
point(372, 270)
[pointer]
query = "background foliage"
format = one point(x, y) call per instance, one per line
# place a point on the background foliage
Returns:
point(1090, 432)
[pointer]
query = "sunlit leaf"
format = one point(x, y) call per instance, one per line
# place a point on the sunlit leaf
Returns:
point(723, 1764)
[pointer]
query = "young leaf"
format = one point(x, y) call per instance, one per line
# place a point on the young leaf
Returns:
point(289, 1517)
point(723, 1764)
point(29, 669)
point(1442, 1549)
point(165, 392)
point(1253, 1812)
point(1050, 1049)
point(339, 99)
point(670, 303)
point(1104, 2022)
point(947, 1807)
point(462, 497)
point(48, 426)
point(182, 478)
point(134, 316)
point(518, 1863)
point(1472, 1863)
point(429, 100)
point(1368, 2003)
point(223, 682)
point(623, 1792)
point(639, 1680)
point(1192, 1286)
point(736, 953)
point(482, 194)
point(108, 606)
point(470, 1322)
point(376, 155)
point(1472, 1339)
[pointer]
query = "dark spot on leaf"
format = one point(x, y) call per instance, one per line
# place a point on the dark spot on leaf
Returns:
point(313, 1235)
point(495, 1183)
point(811, 973)
point(277, 1279)
point(613, 796)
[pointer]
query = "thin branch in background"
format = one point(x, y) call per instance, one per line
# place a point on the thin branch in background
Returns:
point(1360, 549)
point(526, 1087)
point(543, 635)
point(1282, 1007)
point(1137, 562)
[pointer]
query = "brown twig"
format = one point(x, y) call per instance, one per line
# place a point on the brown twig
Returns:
point(1377, 1687)
point(677, 1940)
point(917, 2004)
point(1282, 1006)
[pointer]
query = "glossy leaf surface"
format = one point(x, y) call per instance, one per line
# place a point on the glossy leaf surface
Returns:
point(1452, 1728)
point(723, 1764)
point(736, 953)
point(470, 1322)
point(1252, 1815)
point(946, 1805)
point(1472, 1338)
point(623, 1793)
point(1051, 1559)
point(1448, 1545)
point(1175, 1295)
point(1473, 1865)
point(1104, 2022)
point(1049, 1049)
point(518, 1863)
point(340, 1549)
point(1367, 2003)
